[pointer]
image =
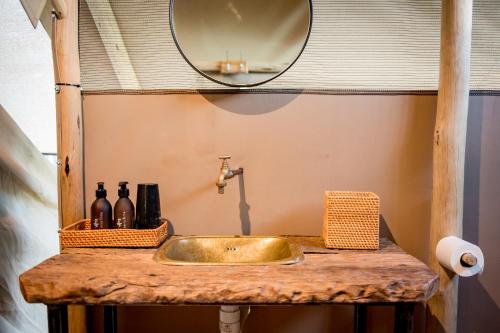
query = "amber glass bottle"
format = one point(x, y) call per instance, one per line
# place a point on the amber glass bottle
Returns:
point(100, 211)
point(124, 209)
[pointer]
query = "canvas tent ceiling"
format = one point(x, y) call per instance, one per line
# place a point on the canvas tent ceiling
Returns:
point(356, 45)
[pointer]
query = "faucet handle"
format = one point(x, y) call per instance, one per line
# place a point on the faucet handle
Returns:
point(225, 157)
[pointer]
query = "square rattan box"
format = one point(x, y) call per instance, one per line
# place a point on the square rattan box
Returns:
point(351, 220)
point(80, 234)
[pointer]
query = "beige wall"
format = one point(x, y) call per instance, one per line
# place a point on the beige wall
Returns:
point(292, 147)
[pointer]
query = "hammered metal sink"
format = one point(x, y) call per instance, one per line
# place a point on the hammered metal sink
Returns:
point(229, 250)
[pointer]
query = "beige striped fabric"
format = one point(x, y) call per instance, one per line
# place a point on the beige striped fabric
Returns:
point(355, 45)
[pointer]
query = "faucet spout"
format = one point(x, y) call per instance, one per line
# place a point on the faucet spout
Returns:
point(221, 183)
point(226, 173)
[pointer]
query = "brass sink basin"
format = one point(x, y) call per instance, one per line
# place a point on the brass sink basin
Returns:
point(229, 250)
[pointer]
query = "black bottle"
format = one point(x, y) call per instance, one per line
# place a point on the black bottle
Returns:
point(148, 207)
point(124, 209)
point(100, 212)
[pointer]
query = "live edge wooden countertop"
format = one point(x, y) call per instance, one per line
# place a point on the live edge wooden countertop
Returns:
point(130, 276)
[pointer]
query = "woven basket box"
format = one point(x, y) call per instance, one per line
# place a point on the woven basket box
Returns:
point(80, 234)
point(351, 220)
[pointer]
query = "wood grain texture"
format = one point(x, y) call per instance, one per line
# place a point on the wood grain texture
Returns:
point(69, 129)
point(70, 155)
point(69, 117)
point(130, 276)
point(449, 153)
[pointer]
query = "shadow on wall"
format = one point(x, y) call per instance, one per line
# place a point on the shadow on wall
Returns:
point(414, 182)
point(244, 103)
point(244, 207)
point(384, 231)
point(479, 296)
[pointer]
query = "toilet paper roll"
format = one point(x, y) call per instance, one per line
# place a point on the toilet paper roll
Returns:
point(450, 249)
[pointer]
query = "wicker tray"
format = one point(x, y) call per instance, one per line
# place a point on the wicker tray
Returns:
point(80, 234)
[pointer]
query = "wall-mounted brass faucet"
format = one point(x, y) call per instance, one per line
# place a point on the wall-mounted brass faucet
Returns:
point(226, 173)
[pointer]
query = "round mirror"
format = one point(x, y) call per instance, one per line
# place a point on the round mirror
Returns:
point(240, 43)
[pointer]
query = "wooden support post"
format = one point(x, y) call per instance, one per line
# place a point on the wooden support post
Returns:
point(69, 115)
point(69, 130)
point(449, 152)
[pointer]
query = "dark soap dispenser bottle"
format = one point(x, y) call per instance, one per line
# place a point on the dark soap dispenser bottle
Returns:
point(100, 211)
point(124, 209)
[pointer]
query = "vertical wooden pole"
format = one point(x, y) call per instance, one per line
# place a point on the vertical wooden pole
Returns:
point(69, 130)
point(449, 153)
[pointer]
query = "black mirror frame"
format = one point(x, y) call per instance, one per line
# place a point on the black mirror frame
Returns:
point(172, 31)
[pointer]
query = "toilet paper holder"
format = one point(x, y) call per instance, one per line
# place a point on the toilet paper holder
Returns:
point(468, 260)
point(459, 256)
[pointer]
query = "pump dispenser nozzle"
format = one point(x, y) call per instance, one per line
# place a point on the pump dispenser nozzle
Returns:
point(101, 191)
point(123, 190)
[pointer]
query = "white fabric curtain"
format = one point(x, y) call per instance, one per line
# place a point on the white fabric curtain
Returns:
point(28, 224)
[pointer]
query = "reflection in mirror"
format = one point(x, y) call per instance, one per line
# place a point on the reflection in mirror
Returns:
point(240, 42)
